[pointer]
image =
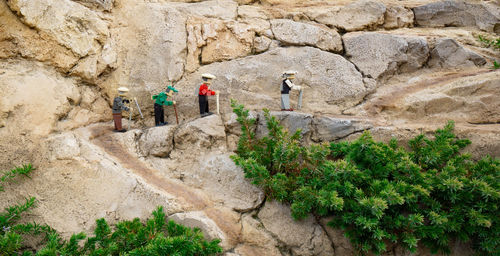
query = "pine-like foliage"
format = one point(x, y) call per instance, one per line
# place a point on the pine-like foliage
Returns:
point(155, 237)
point(380, 193)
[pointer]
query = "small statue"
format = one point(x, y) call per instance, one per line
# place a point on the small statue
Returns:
point(160, 100)
point(285, 88)
point(119, 104)
point(203, 93)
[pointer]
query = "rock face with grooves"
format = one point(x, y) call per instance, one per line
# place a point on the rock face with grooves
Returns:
point(449, 54)
point(298, 33)
point(355, 16)
point(225, 182)
point(277, 220)
point(381, 55)
point(65, 20)
point(486, 16)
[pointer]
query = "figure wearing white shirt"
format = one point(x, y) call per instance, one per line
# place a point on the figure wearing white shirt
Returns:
point(285, 88)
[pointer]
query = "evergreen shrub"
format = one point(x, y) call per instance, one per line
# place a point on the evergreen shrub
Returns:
point(379, 194)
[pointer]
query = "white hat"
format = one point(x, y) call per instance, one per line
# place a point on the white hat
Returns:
point(122, 90)
point(209, 76)
point(290, 72)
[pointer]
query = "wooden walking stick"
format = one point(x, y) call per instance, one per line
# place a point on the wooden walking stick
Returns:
point(176, 116)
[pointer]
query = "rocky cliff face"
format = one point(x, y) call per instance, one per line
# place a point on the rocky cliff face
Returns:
point(397, 69)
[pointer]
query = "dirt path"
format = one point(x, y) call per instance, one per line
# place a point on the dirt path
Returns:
point(102, 137)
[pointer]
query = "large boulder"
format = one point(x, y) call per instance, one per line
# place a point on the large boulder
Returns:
point(355, 16)
point(202, 133)
point(157, 141)
point(148, 56)
point(304, 237)
point(330, 82)
point(449, 54)
point(380, 55)
point(34, 98)
point(298, 33)
point(291, 121)
point(199, 219)
point(486, 16)
point(17, 39)
point(471, 99)
point(217, 175)
point(65, 20)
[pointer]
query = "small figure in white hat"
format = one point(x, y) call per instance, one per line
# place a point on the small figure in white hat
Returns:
point(118, 106)
point(203, 93)
point(285, 88)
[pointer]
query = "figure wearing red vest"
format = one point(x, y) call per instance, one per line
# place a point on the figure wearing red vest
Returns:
point(203, 93)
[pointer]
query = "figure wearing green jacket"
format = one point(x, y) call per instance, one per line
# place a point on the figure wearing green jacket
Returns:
point(160, 100)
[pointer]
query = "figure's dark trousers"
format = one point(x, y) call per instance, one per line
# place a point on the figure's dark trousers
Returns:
point(159, 114)
point(117, 117)
point(203, 101)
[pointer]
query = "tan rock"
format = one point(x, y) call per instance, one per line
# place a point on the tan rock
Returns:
point(223, 9)
point(298, 33)
point(304, 237)
point(203, 133)
point(218, 176)
point(256, 240)
point(157, 141)
point(225, 46)
point(250, 11)
point(355, 16)
point(199, 220)
point(65, 20)
point(34, 97)
point(341, 243)
point(261, 44)
point(398, 17)
point(381, 55)
point(17, 39)
point(449, 54)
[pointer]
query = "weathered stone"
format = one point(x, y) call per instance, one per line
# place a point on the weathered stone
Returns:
point(449, 54)
point(470, 99)
point(257, 240)
point(341, 243)
point(261, 44)
point(206, 133)
point(398, 17)
point(65, 20)
point(157, 141)
point(329, 128)
point(34, 97)
point(292, 121)
point(460, 14)
point(304, 237)
point(147, 56)
point(379, 55)
point(218, 176)
point(329, 81)
point(223, 9)
point(358, 15)
point(86, 68)
point(98, 4)
point(198, 219)
point(63, 147)
point(17, 39)
point(249, 11)
point(298, 33)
